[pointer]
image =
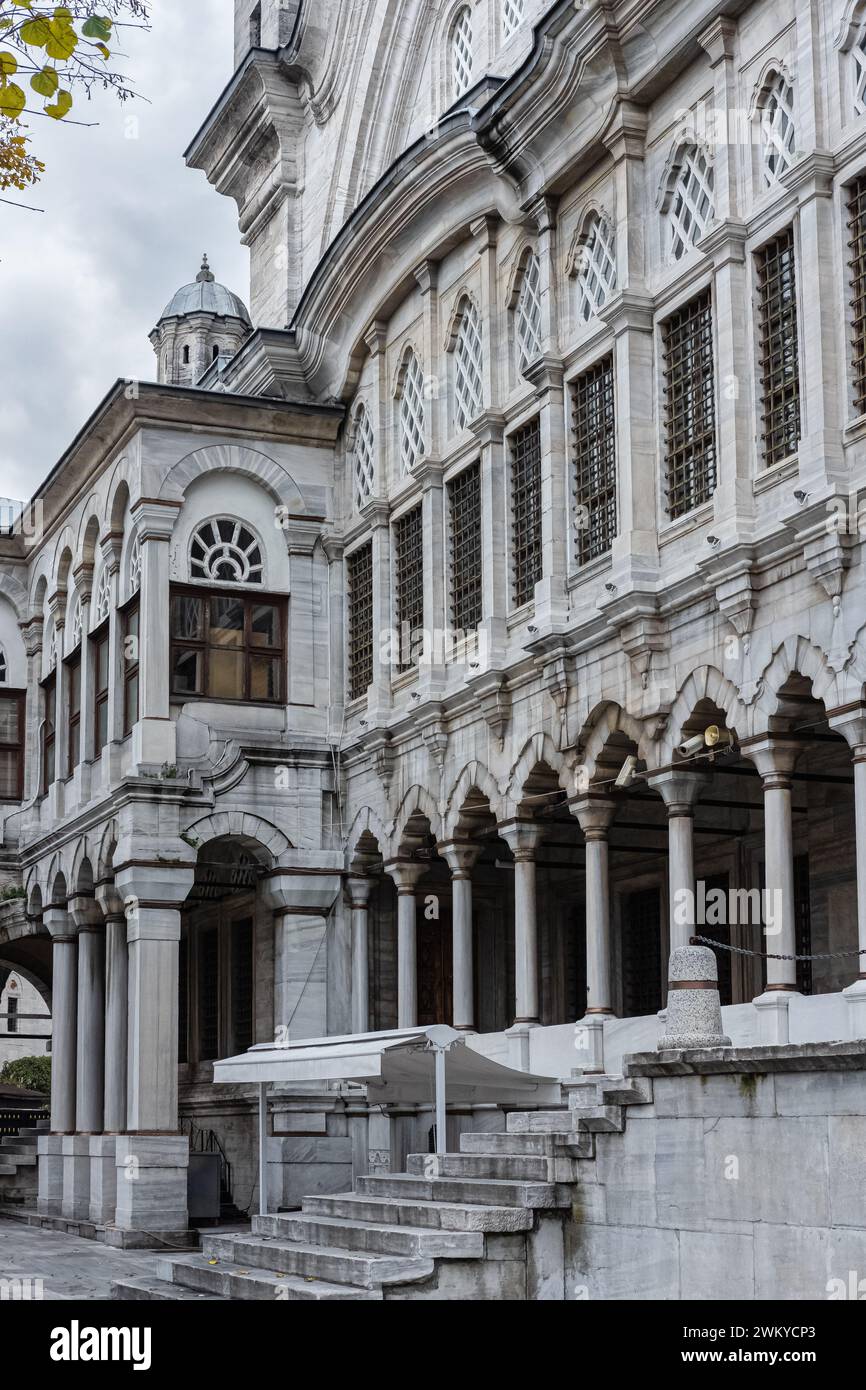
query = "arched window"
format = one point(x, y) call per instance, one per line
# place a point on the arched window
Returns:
point(102, 598)
point(461, 52)
point(594, 265)
point(777, 128)
point(134, 566)
point(216, 351)
point(528, 313)
point(412, 414)
point(4, 668)
point(468, 354)
point(224, 551)
point(186, 356)
point(513, 12)
point(363, 457)
point(690, 210)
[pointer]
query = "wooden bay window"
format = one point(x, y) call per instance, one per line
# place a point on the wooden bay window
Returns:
point(11, 745)
point(227, 646)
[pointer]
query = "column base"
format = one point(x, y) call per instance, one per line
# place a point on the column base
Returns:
point(103, 1179)
point(773, 1026)
point(49, 1199)
point(589, 1042)
point(855, 998)
point(518, 1045)
point(151, 1182)
point(76, 1177)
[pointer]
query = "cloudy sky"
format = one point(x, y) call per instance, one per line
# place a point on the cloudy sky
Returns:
point(125, 224)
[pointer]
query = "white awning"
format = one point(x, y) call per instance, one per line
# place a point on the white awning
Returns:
point(395, 1066)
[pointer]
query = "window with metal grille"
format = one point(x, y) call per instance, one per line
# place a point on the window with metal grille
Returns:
point(464, 511)
point(12, 1016)
point(690, 210)
point(363, 457)
point(513, 12)
point(412, 414)
point(409, 584)
point(461, 52)
point(858, 60)
point(526, 556)
point(468, 354)
point(777, 129)
point(359, 566)
point(242, 984)
point(857, 266)
point(780, 371)
point(528, 313)
point(594, 426)
point(595, 266)
point(690, 406)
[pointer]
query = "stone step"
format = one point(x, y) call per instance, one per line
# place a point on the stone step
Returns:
point(539, 1121)
point(600, 1119)
point(29, 1133)
point(17, 1146)
point(550, 1144)
point(27, 1159)
point(481, 1191)
point(500, 1167)
point(333, 1264)
point(7, 1170)
point(608, 1091)
point(229, 1280)
point(372, 1237)
point(146, 1289)
point(437, 1216)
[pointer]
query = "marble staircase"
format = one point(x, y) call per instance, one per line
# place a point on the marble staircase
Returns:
point(18, 1165)
point(453, 1226)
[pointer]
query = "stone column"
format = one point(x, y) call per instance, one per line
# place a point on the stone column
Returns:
point(523, 839)
point(852, 727)
point(680, 791)
point(302, 904)
point(152, 1157)
point(406, 873)
point(64, 1011)
point(154, 741)
point(595, 815)
point(460, 858)
point(103, 1148)
point(87, 918)
point(775, 759)
point(359, 890)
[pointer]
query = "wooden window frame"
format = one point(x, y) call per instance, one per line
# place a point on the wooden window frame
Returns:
point(73, 664)
point(252, 597)
point(49, 741)
point(101, 694)
point(20, 698)
point(131, 669)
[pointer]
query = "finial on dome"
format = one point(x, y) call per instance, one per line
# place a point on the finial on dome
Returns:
point(205, 273)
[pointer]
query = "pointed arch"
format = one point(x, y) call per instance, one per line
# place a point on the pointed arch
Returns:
point(591, 262)
point(409, 395)
point(367, 822)
point(606, 721)
point(705, 684)
point(416, 801)
point(798, 656)
point(539, 750)
point(475, 776)
point(774, 106)
point(686, 198)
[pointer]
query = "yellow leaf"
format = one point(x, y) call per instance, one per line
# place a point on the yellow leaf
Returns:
point(62, 41)
point(8, 64)
point(12, 101)
point(61, 106)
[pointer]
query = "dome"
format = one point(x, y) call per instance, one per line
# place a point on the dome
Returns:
point(205, 295)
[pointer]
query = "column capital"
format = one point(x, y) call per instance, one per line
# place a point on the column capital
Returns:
point(460, 856)
point(301, 892)
point(110, 901)
point(851, 724)
point(58, 923)
point(85, 912)
point(155, 517)
point(774, 759)
point(154, 885)
point(358, 890)
point(594, 815)
point(406, 874)
point(522, 837)
point(680, 790)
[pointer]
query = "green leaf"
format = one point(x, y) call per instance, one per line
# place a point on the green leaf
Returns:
point(61, 107)
point(96, 28)
point(8, 64)
point(12, 100)
point(62, 41)
point(45, 82)
point(35, 32)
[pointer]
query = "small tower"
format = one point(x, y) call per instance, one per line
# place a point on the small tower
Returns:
point(204, 322)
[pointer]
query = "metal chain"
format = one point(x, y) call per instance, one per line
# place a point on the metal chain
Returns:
point(768, 955)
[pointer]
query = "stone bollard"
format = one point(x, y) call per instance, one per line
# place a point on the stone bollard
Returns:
point(694, 1013)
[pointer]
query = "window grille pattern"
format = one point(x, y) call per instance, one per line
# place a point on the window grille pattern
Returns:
point(529, 314)
point(363, 458)
point(409, 581)
point(225, 552)
point(464, 509)
point(780, 372)
point(513, 12)
point(858, 59)
point(102, 598)
point(594, 432)
point(596, 267)
point(777, 129)
point(691, 205)
point(526, 553)
point(359, 566)
point(75, 626)
point(857, 264)
point(134, 566)
point(461, 52)
point(468, 384)
point(690, 406)
point(412, 414)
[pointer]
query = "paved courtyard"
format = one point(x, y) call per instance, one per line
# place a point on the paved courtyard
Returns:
point(70, 1268)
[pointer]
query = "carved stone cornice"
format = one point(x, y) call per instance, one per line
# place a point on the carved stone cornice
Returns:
point(494, 700)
